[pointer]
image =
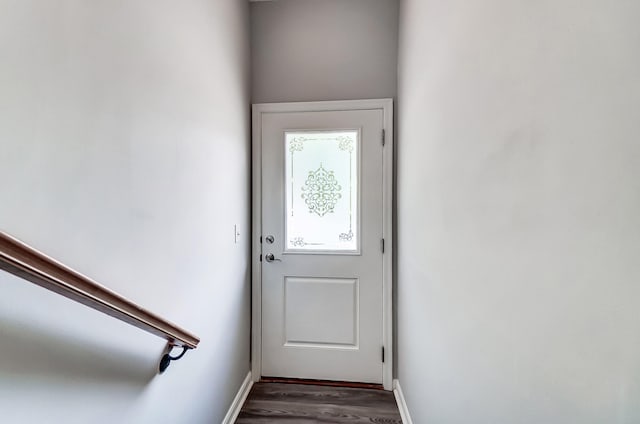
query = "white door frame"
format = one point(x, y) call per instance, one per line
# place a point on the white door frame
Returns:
point(386, 105)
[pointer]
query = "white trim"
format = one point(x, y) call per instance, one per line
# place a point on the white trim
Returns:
point(256, 246)
point(387, 300)
point(323, 106)
point(387, 234)
point(402, 403)
point(238, 401)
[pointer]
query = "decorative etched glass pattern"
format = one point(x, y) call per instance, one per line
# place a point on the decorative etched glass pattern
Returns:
point(321, 191)
point(321, 183)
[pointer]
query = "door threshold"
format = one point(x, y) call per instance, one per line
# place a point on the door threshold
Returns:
point(329, 383)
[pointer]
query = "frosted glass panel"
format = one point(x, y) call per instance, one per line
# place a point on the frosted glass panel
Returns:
point(321, 184)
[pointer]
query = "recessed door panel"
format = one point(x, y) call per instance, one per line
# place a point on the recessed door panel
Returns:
point(321, 312)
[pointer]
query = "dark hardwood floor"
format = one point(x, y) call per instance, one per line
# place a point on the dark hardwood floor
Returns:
point(271, 403)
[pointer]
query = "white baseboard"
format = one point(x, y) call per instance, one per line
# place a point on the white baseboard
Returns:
point(238, 401)
point(402, 403)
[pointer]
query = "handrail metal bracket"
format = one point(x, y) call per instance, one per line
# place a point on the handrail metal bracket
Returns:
point(166, 358)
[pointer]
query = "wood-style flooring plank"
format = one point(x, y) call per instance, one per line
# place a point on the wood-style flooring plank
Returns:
point(272, 403)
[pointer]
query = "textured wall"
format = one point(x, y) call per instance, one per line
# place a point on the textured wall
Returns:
point(124, 153)
point(308, 50)
point(519, 211)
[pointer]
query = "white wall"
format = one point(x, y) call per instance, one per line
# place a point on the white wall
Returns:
point(310, 50)
point(519, 211)
point(124, 153)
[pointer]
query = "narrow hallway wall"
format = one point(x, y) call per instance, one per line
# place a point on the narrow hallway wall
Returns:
point(124, 153)
point(308, 50)
point(519, 211)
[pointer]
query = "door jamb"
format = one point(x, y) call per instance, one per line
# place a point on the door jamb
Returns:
point(386, 105)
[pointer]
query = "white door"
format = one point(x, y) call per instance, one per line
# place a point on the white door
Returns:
point(322, 227)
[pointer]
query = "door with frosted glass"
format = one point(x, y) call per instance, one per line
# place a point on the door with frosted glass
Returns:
point(322, 229)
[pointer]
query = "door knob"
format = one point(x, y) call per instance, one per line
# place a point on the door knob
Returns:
point(270, 258)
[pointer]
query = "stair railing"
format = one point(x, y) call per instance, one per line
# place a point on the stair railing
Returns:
point(29, 264)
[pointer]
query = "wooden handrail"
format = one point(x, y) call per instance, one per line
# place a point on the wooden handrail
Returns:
point(24, 261)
